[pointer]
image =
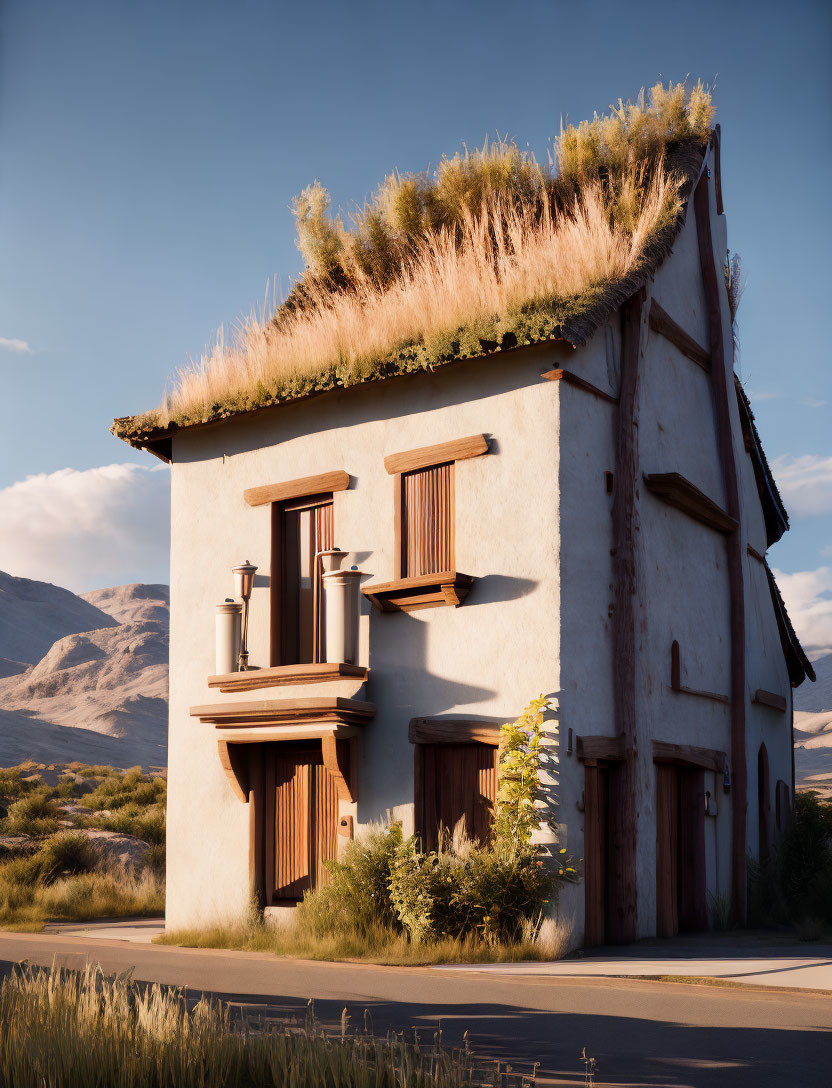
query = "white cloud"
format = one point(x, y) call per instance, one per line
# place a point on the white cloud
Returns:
point(808, 597)
point(20, 347)
point(805, 483)
point(88, 529)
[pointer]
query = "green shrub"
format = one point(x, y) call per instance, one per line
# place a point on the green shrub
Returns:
point(34, 813)
point(65, 854)
point(794, 887)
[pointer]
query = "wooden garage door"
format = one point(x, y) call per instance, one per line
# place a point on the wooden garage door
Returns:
point(304, 822)
point(452, 781)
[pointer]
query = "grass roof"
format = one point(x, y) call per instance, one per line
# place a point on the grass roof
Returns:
point(490, 251)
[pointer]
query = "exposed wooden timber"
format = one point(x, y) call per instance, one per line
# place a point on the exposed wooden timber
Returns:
point(711, 277)
point(316, 672)
point(661, 322)
point(676, 679)
point(459, 449)
point(770, 699)
point(623, 820)
point(161, 448)
point(755, 554)
point(689, 755)
point(718, 169)
point(675, 490)
point(608, 749)
point(571, 378)
point(330, 711)
point(424, 591)
point(298, 489)
point(452, 731)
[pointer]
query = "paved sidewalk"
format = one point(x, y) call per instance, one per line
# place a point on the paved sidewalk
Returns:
point(135, 930)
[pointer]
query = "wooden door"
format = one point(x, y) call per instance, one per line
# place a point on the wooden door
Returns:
point(667, 850)
point(596, 822)
point(455, 781)
point(301, 821)
point(681, 903)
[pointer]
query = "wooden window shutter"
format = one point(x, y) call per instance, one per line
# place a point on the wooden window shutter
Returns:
point(428, 520)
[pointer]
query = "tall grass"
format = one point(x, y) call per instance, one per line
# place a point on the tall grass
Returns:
point(453, 293)
point(491, 251)
point(77, 1029)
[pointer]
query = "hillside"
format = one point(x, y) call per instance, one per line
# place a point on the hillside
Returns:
point(98, 692)
point(813, 729)
point(34, 614)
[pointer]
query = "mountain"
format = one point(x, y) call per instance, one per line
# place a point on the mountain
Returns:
point(98, 693)
point(813, 730)
point(34, 614)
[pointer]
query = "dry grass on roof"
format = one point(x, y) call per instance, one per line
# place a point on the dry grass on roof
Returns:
point(490, 252)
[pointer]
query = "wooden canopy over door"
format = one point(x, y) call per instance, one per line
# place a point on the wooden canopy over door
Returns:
point(301, 820)
point(680, 849)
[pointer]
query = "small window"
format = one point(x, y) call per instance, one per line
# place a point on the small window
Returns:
point(301, 528)
point(427, 520)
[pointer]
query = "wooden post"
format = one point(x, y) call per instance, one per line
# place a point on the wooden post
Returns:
point(721, 389)
point(622, 887)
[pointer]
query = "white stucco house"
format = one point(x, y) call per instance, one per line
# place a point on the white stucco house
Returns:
point(586, 517)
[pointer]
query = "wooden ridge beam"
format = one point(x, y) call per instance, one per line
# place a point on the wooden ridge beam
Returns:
point(662, 323)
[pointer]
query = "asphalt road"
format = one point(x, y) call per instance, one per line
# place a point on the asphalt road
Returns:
point(642, 1033)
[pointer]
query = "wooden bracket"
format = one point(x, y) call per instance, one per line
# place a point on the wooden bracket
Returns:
point(235, 765)
point(340, 760)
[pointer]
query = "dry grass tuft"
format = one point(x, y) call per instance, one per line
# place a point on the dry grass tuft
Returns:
point(66, 1029)
point(491, 251)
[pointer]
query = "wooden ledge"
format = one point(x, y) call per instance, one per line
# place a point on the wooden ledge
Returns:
point(328, 712)
point(770, 699)
point(570, 378)
point(609, 749)
point(752, 551)
point(688, 755)
point(675, 490)
point(452, 731)
point(426, 591)
point(320, 672)
point(460, 449)
point(676, 678)
point(298, 489)
point(661, 322)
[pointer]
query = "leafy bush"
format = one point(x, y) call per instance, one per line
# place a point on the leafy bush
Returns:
point(462, 890)
point(33, 814)
point(794, 887)
point(358, 893)
point(489, 892)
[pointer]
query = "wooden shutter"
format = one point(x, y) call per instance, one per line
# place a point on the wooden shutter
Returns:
point(455, 781)
point(428, 521)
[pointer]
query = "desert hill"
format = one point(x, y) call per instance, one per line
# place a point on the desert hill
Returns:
point(98, 691)
point(813, 730)
point(34, 614)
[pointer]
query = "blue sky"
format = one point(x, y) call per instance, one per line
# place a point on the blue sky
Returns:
point(150, 152)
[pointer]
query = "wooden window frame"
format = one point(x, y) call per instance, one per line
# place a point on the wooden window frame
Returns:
point(278, 630)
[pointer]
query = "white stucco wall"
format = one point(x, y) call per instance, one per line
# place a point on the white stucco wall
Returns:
point(485, 659)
